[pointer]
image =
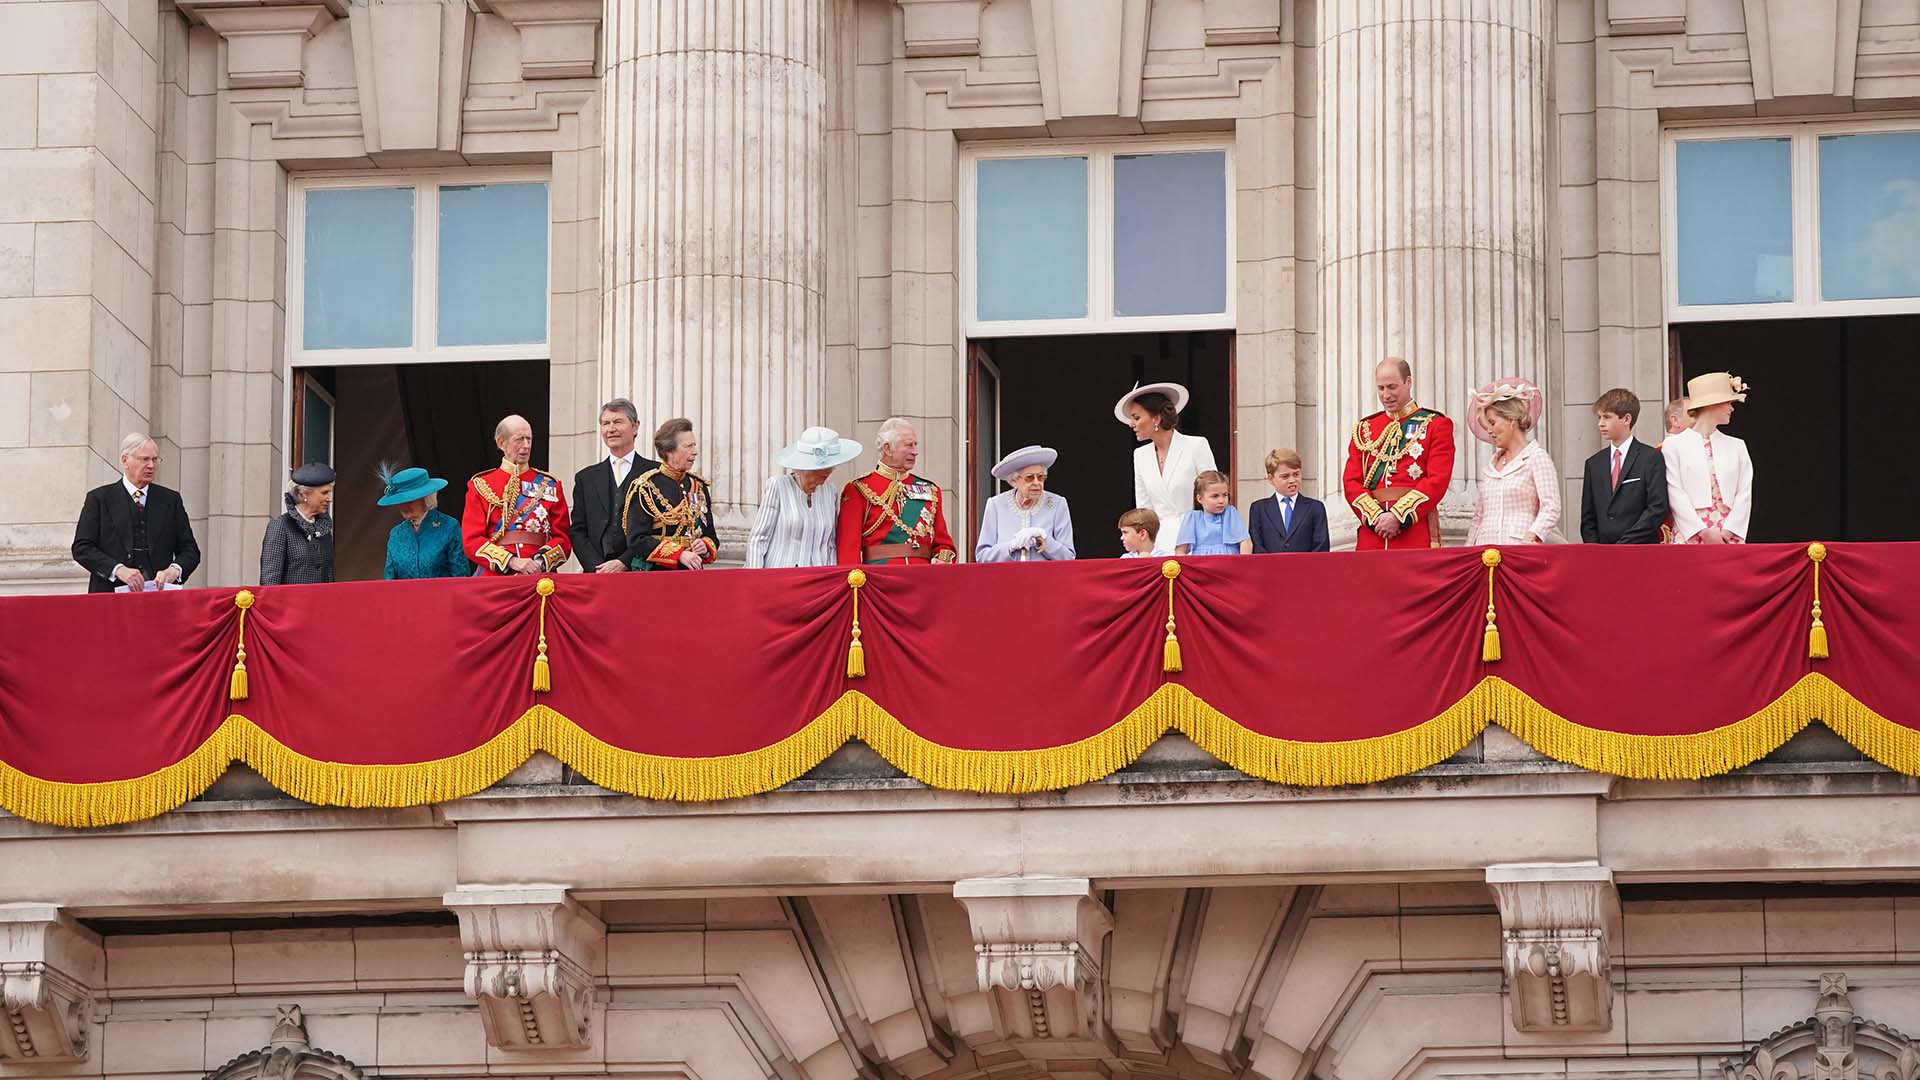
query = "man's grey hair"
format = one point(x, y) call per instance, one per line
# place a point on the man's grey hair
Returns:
point(623, 407)
point(506, 424)
point(890, 429)
point(135, 441)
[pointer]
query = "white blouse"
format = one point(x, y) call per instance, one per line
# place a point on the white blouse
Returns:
point(1690, 486)
point(790, 531)
point(1168, 490)
point(1516, 499)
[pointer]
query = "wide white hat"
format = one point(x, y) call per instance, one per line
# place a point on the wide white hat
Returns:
point(1172, 389)
point(817, 448)
point(1024, 457)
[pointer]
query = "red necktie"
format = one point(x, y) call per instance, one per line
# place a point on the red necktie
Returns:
point(1616, 467)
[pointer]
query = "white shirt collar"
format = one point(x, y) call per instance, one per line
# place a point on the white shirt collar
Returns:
point(128, 484)
point(627, 457)
point(1623, 444)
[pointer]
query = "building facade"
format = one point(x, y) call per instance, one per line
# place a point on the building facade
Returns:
point(247, 227)
point(275, 232)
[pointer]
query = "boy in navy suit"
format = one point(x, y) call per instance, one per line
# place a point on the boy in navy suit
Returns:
point(1289, 521)
point(1623, 499)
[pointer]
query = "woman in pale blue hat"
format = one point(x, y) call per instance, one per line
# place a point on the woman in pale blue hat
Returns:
point(798, 511)
point(426, 543)
point(1028, 523)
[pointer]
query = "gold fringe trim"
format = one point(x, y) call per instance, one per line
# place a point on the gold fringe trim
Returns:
point(1170, 708)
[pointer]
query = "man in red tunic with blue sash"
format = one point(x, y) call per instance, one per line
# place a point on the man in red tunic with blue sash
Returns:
point(1399, 463)
point(891, 515)
point(516, 516)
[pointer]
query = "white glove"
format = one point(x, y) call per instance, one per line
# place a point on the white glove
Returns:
point(1028, 539)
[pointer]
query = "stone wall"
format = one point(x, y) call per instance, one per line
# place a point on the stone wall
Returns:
point(1344, 982)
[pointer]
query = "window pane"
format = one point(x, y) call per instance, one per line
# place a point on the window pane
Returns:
point(1869, 216)
point(316, 428)
point(1735, 208)
point(1032, 249)
point(493, 264)
point(358, 272)
point(1169, 234)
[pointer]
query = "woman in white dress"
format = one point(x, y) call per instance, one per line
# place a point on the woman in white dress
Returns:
point(1709, 475)
point(795, 524)
point(1167, 461)
point(1519, 497)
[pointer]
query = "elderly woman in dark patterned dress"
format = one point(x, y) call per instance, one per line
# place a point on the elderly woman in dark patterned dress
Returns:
point(298, 546)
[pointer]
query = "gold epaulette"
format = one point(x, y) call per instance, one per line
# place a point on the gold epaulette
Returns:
point(478, 482)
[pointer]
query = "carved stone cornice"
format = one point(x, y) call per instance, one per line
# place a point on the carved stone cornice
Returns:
point(1627, 18)
point(531, 951)
point(1832, 1044)
point(266, 42)
point(411, 59)
point(1244, 22)
point(49, 966)
point(941, 27)
point(559, 39)
point(1037, 945)
point(1091, 54)
point(1557, 922)
point(288, 1056)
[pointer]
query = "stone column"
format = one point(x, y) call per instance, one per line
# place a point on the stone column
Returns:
point(713, 226)
point(1434, 164)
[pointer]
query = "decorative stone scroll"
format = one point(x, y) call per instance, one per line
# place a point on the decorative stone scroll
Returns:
point(49, 965)
point(1037, 945)
point(531, 951)
point(1832, 1044)
point(1556, 925)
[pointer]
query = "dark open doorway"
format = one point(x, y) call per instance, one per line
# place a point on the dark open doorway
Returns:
point(437, 416)
point(1823, 422)
point(1059, 391)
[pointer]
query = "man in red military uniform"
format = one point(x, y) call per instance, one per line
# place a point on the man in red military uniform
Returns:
point(516, 516)
point(890, 515)
point(1399, 463)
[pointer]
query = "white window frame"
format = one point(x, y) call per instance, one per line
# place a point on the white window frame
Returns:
point(426, 277)
point(1100, 318)
point(1804, 155)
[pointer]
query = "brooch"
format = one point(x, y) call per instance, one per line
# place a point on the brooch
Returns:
point(1414, 471)
point(1416, 448)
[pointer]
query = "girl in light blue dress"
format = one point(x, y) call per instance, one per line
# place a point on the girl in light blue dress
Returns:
point(1217, 529)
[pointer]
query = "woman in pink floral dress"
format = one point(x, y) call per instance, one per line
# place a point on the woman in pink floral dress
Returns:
point(1709, 475)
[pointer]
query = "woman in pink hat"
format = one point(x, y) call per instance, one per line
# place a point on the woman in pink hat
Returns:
point(1519, 500)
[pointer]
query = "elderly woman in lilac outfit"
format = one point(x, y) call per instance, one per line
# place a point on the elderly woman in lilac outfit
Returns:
point(1028, 523)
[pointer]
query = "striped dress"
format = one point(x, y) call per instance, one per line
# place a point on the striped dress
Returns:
point(789, 530)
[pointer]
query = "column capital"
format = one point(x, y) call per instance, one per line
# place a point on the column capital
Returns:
point(1036, 943)
point(531, 952)
point(1557, 923)
point(49, 967)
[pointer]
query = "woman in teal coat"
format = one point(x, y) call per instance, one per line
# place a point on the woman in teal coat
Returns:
point(426, 543)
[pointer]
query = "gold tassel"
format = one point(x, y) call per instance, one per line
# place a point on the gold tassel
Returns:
point(856, 656)
point(1490, 640)
point(542, 672)
point(1170, 652)
point(237, 689)
point(1817, 633)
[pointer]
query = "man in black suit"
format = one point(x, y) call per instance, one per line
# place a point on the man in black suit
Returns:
point(133, 531)
point(600, 490)
point(1289, 521)
point(1623, 498)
